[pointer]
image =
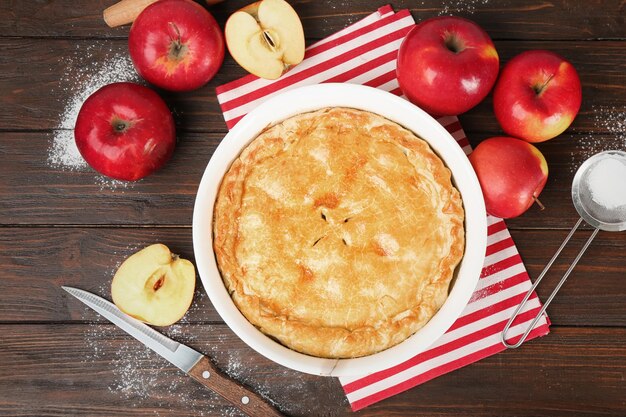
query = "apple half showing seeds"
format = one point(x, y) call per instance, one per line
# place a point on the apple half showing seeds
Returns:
point(154, 286)
point(266, 38)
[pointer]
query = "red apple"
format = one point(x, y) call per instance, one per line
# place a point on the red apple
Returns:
point(512, 174)
point(537, 96)
point(176, 45)
point(125, 131)
point(447, 65)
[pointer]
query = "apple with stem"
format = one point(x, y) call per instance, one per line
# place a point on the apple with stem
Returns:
point(447, 65)
point(176, 45)
point(266, 38)
point(512, 174)
point(125, 131)
point(154, 286)
point(537, 96)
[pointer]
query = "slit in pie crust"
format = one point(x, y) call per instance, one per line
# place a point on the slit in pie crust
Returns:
point(337, 232)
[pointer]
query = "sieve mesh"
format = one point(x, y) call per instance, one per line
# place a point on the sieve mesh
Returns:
point(599, 191)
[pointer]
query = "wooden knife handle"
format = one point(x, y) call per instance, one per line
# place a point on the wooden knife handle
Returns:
point(241, 397)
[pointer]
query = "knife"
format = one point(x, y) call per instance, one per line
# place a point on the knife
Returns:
point(190, 361)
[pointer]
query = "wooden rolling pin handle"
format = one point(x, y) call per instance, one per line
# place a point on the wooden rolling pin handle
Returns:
point(126, 11)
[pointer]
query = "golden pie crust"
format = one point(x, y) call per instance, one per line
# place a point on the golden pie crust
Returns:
point(337, 232)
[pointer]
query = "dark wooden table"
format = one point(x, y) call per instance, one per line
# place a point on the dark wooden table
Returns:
point(71, 227)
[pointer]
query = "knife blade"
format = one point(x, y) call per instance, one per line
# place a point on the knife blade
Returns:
point(188, 360)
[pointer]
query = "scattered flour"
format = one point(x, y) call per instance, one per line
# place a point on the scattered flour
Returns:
point(460, 6)
point(107, 183)
point(137, 370)
point(139, 381)
point(135, 367)
point(63, 152)
point(84, 74)
point(607, 119)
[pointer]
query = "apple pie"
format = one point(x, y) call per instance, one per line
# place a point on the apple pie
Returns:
point(337, 232)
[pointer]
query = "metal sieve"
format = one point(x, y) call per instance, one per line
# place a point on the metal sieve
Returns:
point(599, 196)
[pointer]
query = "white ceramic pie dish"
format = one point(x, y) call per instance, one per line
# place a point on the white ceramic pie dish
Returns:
point(304, 99)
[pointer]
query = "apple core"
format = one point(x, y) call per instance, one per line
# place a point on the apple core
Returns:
point(453, 43)
point(121, 125)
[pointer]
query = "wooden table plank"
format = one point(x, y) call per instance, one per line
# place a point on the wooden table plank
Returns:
point(58, 358)
point(82, 258)
point(43, 78)
point(50, 194)
point(535, 19)
point(57, 195)
point(87, 258)
point(43, 75)
point(594, 293)
point(100, 371)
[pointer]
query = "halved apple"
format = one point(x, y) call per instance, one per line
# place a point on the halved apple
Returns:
point(266, 38)
point(154, 286)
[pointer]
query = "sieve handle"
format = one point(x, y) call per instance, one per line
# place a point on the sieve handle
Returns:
point(556, 289)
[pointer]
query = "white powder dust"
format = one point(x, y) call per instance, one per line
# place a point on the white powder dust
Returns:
point(242, 369)
point(88, 69)
point(461, 6)
point(606, 119)
point(107, 183)
point(138, 371)
point(63, 152)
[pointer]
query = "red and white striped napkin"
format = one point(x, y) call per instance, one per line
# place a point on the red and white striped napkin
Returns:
point(365, 53)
